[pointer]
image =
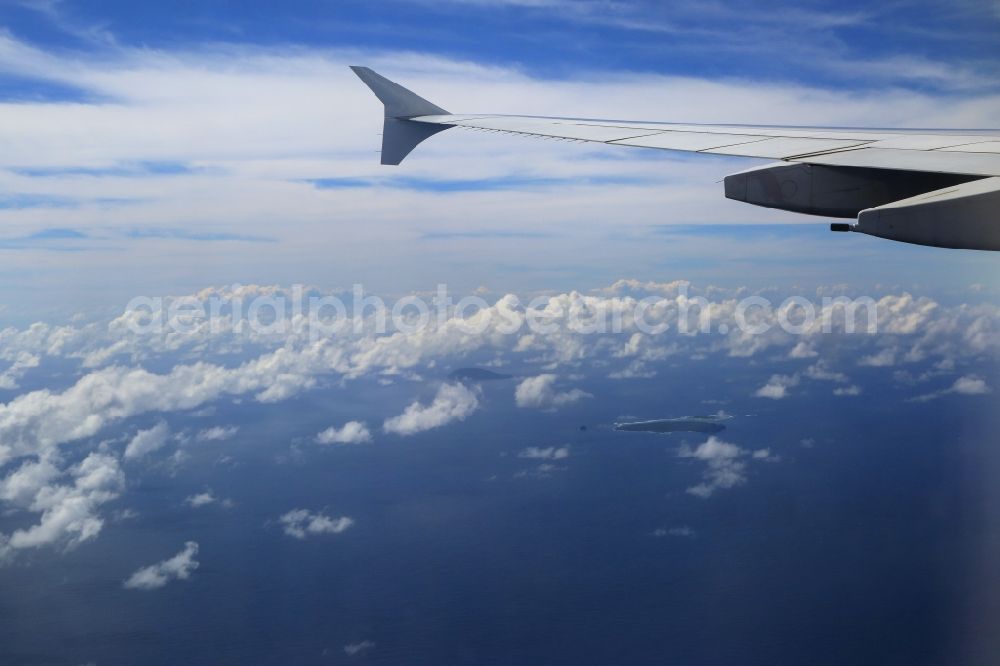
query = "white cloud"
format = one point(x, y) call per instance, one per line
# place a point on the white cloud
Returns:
point(712, 449)
point(777, 387)
point(540, 392)
point(452, 402)
point(970, 385)
point(217, 433)
point(547, 453)
point(255, 171)
point(38, 422)
point(35, 425)
point(803, 350)
point(726, 465)
point(68, 511)
point(23, 484)
point(300, 523)
point(822, 372)
point(147, 441)
point(155, 576)
point(201, 499)
point(352, 649)
point(259, 168)
point(41, 420)
point(851, 390)
point(206, 498)
point(966, 385)
point(120, 515)
point(23, 362)
point(884, 358)
point(352, 432)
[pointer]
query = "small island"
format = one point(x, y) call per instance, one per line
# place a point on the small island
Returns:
point(704, 424)
point(477, 375)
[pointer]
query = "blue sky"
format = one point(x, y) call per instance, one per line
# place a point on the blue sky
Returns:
point(556, 38)
point(169, 139)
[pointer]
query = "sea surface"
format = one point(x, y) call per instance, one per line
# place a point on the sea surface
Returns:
point(870, 534)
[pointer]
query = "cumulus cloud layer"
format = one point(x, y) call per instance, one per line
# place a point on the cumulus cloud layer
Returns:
point(40, 421)
point(155, 576)
point(453, 402)
point(113, 382)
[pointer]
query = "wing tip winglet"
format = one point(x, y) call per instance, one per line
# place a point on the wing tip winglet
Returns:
point(400, 135)
point(399, 101)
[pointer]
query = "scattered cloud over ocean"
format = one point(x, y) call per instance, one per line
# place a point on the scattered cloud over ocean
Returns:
point(109, 382)
point(546, 453)
point(966, 385)
point(352, 649)
point(217, 433)
point(726, 465)
point(155, 576)
point(777, 387)
point(540, 392)
point(302, 523)
point(207, 498)
point(453, 402)
point(147, 441)
point(67, 501)
point(352, 432)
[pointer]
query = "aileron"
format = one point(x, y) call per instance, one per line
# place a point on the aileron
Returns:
point(689, 141)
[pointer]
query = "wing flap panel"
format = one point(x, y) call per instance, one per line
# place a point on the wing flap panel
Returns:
point(928, 142)
point(693, 141)
point(983, 147)
point(785, 148)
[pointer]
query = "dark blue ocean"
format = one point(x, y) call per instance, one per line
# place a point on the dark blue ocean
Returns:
point(870, 536)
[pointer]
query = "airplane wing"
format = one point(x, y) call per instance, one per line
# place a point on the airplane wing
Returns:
point(928, 187)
